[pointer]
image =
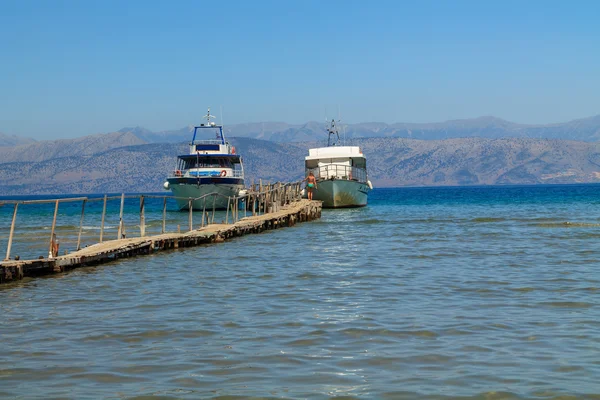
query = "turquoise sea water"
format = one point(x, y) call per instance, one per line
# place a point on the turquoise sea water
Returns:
point(483, 293)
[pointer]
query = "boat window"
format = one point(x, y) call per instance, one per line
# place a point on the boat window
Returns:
point(208, 162)
point(359, 162)
point(312, 163)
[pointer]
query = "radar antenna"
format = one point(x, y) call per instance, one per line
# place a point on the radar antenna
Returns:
point(208, 122)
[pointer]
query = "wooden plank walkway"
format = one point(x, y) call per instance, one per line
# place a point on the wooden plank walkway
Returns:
point(285, 216)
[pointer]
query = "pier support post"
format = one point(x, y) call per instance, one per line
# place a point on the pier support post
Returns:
point(81, 224)
point(12, 231)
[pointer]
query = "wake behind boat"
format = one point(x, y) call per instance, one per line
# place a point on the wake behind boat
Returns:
point(212, 166)
point(340, 171)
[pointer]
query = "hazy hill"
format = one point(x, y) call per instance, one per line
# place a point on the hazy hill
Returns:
point(391, 162)
point(12, 140)
point(54, 149)
point(587, 129)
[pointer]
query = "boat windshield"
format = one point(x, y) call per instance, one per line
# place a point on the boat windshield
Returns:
point(207, 162)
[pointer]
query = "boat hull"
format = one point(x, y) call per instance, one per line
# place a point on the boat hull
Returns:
point(184, 189)
point(339, 193)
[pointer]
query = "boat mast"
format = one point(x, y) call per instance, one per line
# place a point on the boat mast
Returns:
point(208, 123)
point(332, 130)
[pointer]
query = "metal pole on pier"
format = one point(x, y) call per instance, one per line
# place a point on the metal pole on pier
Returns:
point(52, 231)
point(12, 231)
point(102, 223)
point(81, 224)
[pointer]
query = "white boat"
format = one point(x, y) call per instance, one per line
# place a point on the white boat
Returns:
point(341, 173)
point(212, 166)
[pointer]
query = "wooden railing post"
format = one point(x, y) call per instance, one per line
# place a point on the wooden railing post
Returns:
point(12, 231)
point(102, 222)
point(52, 231)
point(120, 233)
point(260, 196)
point(81, 224)
point(190, 214)
point(142, 217)
point(233, 218)
point(227, 213)
point(212, 220)
point(164, 219)
point(204, 212)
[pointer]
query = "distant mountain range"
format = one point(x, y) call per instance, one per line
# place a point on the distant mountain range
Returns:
point(587, 129)
point(482, 151)
point(392, 162)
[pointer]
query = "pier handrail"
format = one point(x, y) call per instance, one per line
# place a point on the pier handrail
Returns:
point(258, 199)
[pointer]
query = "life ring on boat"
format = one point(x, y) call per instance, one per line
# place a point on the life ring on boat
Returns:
point(223, 173)
point(177, 173)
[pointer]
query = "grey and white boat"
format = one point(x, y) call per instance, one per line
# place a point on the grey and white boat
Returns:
point(212, 166)
point(341, 173)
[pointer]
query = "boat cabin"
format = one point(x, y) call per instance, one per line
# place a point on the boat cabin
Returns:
point(203, 165)
point(337, 162)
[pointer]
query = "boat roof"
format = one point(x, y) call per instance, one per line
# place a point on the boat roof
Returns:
point(334, 152)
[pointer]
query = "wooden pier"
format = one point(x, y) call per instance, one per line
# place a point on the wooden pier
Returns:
point(269, 207)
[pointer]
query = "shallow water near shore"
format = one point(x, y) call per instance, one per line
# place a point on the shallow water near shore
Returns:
point(469, 293)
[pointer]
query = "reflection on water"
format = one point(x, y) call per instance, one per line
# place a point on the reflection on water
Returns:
point(426, 293)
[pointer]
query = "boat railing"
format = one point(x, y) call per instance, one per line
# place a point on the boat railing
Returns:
point(206, 174)
point(338, 171)
point(97, 214)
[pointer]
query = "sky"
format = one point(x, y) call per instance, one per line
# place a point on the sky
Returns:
point(74, 68)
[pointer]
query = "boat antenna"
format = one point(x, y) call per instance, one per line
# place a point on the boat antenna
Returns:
point(208, 116)
point(208, 123)
point(343, 126)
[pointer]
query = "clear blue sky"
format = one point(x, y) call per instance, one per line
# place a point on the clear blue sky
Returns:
point(72, 68)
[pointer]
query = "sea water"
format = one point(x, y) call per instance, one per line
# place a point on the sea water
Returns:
point(470, 293)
